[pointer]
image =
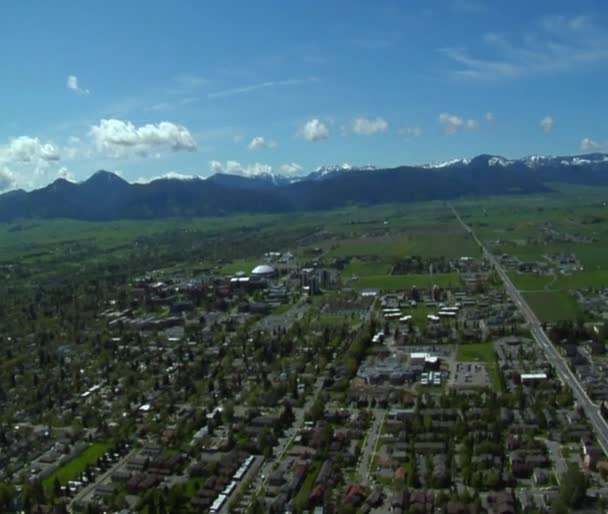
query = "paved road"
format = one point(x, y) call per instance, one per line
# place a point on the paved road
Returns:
point(555, 453)
point(261, 479)
point(240, 488)
point(368, 451)
point(90, 487)
point(553, 356)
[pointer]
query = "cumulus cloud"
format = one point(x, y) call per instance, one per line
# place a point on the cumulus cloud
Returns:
point(314, 130)
point(410, 132)
point(236, 168)
point(547, 123)
point(368, 127)
point(258, 143)
point(292, 168)
point(7, 178)
point(489, 117)
point(66, 174)
point(454, 123)
point(28, 149)
point(590, 145)
point(72, 84)
point(122, 139)
point(23, 159)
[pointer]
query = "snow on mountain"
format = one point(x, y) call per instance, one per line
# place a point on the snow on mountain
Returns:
point(447, 164)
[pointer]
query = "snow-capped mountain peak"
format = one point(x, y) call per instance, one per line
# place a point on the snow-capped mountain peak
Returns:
point(446, 164)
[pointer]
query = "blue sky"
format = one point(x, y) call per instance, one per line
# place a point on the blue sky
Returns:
point(192, 88)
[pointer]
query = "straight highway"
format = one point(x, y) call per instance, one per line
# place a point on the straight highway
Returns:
point(553, 356)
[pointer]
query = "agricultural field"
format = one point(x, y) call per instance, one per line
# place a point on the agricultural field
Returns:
point(553, 306)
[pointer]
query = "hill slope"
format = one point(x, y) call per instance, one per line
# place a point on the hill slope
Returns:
point(105, 196)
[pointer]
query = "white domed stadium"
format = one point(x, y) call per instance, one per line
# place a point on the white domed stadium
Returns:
point(263, 271)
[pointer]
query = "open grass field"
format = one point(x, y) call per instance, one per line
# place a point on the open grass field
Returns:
point(77, 466)
point(530, 282)
point(552, 307)
point(399, 282)
point(583, 279)
point(476, 352)
point(363, 268)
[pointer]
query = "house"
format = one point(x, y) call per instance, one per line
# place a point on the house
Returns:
point(502, 503)
point(540, 476)
point(592, 455)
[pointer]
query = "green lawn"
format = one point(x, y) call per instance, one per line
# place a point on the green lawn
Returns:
point(476, 352)
point(553, 306)
point(304, 492)
point(77, 466)
point(397, 282)
point(192, 485)
point(245, 265)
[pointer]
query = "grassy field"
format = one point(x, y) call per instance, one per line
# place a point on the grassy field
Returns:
point(397, 282)
point(476, 352)
point(530, 282)
point(553, 306)
point(363, 268)
point(583, 279)
point(76, 467)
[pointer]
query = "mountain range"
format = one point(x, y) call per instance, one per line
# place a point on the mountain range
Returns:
point(106, 196)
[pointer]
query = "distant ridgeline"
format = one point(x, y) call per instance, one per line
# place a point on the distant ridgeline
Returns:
point(106, 196)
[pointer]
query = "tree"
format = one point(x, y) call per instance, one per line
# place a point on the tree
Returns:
point(573, 487)
point(57, 487)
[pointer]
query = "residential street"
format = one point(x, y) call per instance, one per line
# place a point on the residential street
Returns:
point(369, 449)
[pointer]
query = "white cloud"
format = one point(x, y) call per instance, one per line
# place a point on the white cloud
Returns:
point(291, 169)
point(590, 145)
point(547, 123)
point(257, 143)
point(66, 174)
point(261, 85)
point(554, 44)
point(410, 132)
point(24, 160)
point(122, 139)
point(454, 123)
point(451, 122)
point(28, 149)
point(7, 178)
point(72, 84)
point(171, 175)
point(314, 130)
point(236, 168)
point(368, 127)
point(489, 117)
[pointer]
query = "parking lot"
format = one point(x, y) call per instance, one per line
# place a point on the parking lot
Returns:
point(469, 374)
